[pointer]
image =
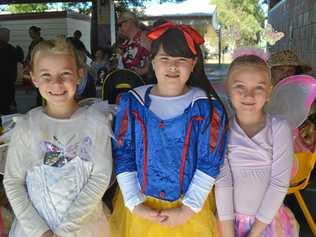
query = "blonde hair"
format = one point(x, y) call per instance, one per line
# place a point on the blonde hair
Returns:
point(57, 46)
point(129, 16)
point(249, 62)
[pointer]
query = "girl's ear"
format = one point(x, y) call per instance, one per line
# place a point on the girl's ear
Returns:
point(153, 64)
point(81, 73)
point(34, 80)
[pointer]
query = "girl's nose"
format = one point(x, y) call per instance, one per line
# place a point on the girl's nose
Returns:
point(172, 66)
point(249, 93)
point(57, 80)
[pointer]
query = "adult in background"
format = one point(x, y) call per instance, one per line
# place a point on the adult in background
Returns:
point(8, 71)
point(35, 34)
point(284, 64)
point(137, 46)
point(78, 44)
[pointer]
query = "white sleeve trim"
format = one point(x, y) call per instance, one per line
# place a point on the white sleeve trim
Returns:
point(130, 189)
point(198, 191)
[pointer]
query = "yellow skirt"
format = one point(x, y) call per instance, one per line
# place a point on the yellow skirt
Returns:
point(124, 224)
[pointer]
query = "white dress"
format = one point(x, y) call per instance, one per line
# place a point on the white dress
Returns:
point(57, 172)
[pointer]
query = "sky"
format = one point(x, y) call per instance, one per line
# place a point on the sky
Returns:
point(187, 6)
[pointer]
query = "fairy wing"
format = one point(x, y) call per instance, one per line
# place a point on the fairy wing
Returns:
point(292, 98)
point(89, 101)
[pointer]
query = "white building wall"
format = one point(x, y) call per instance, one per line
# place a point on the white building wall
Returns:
point(84, 26)
point(51, 27)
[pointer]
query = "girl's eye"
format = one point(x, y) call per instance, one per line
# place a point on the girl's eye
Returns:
point(183, 60)
point(66, 75)
point(239, 86)
point(164, 59)
point(259, 88)
point(45, 76)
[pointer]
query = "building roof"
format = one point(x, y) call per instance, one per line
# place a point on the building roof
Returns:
point(188, 7)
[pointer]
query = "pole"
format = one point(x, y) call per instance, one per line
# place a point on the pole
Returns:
point(219, 44)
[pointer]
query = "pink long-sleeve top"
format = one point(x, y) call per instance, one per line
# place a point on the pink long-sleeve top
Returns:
point(255, 176)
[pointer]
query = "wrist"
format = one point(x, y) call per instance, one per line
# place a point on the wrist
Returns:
point(187, 210)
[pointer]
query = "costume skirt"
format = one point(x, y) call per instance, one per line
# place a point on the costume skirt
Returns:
point(124, 224)
point(284, 224)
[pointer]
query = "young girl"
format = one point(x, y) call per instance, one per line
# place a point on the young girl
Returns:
point(59, 159)
point(170, 142)
point(255, 177)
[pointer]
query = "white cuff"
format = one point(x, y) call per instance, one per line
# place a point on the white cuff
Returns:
point(198, 191)
point(130, 188)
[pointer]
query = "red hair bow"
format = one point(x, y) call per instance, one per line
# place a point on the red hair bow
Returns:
point(191, 35)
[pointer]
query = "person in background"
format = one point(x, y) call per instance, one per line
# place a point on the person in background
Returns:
point(137, 46)
point(8, 71)
point(35, 34)
point(78, 44)
point(284, 64)
point(87, 86)
point(100, 64)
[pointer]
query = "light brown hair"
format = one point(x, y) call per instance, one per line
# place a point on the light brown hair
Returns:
point(58, 46)
point(250, 62)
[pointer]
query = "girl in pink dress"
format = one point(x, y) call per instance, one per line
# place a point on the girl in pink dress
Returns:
point(255, 177)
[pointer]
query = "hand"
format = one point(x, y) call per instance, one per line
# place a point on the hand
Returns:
point(176, 216)
point(227, 228)
point(148, 213)
point(257, 229)
point(48, 233)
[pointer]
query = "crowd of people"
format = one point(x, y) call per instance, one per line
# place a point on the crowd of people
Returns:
point(183, 165)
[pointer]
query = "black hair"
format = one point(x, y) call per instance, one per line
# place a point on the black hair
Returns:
point(159, 22)
point(78, 32)
point(106, 51)
point(35, 29)
point(299, 70)
point(175, 45)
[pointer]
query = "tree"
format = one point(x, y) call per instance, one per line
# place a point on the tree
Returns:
point(83, 8)
point(241, 21)
point(32, 7)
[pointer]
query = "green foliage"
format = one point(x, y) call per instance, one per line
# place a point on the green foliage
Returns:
point(123, 5)
point(242, 21)
point(83, 8)
point(24, 8)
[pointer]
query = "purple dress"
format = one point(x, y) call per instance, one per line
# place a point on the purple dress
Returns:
point(255, 177)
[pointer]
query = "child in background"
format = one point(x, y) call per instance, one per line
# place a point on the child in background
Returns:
point(101, 64)
point(170, 142)
point(87, 86)
point(255, 177)
point(305, 139)
point(59, 161)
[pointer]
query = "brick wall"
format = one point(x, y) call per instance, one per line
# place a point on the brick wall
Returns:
point(297, 19)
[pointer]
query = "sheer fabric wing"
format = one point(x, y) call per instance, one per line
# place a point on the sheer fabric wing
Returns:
point(292, 98)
